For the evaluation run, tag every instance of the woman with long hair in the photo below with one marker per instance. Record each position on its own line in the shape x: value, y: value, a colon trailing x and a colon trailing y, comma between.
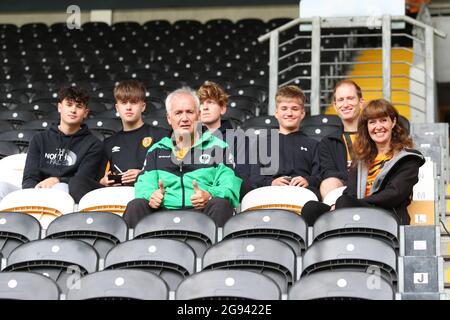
x: 386, y: 167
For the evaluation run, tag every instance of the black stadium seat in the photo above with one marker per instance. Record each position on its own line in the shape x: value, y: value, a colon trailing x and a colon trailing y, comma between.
x: 194, y: 228
x: 16, y: 229
x: 20, y: 138
x: 267, y: 256
x: 276, y: 224
x: 102, y: 230
x: 119, y: 284
x: 228, y: 285
x: 27, y: 286
x: 172, y: 260
x: 62, y: 260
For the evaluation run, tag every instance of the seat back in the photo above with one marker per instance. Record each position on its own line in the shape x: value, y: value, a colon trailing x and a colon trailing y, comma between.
x: 278, y: 197
x: 277, y: 224
x: 352, y: 253
x: 15, y: 229
x: 27, y: 286
x: 102, y: 230
x: 119, y: 284
x: 267, y: 256
x: 192, y: 227
x: 372, y: 222
x: 172, y: 260
x: 62, y: 260
x: 228, y: 284
x: 341, y: 285
x: 44, y: 204
x: 113, y: 200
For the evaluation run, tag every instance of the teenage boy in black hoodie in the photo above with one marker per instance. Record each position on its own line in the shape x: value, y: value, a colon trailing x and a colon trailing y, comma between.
x: 295, y: 161
x: 213, y: 105
x: 124, y: 152
x: 66, y: 150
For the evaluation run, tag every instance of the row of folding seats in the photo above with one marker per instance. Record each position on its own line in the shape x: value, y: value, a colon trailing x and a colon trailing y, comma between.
x: 269, y: 241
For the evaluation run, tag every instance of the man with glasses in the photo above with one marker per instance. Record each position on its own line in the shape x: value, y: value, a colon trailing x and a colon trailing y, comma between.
x: 335, y: 150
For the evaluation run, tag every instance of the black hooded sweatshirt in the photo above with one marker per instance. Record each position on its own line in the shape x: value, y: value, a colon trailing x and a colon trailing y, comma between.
x: 53, y: 154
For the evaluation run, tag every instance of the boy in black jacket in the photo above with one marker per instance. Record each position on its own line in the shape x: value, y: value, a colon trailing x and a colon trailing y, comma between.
x: 66, y: 150
x: 295, y: 161
x: 124, y: 152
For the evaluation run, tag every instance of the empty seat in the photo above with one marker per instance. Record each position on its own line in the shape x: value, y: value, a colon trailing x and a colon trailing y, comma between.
x: 372, y: 222
x: 44, y: 204
x: 341, y: 285
x: 17, y: 117
x: 227, y: 285
x: 27, y: 286
x: 119, y: 284
x: 37, y: 125
x: 283, y: 225
x: 192, y: 227
x: 16, y: 229
x: 106, y: 126
x: 172, y: 260
x: 267, y: 256
x: 351, y: 253
x: 322, y: 119
x: 276, y: 197
x: 157, y: 121
x: 39, y: 109
x: 113, y: 200
x: 102, y: 230
x: 261, y: 122
x: 62, y: 260
x: 318, y: 132
x: 21, y: 138
x: 7, y: 149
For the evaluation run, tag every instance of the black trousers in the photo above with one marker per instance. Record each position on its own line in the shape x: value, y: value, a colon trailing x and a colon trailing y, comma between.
x: 218, y: 209
x: 80, y: 185
x: 312, y: 210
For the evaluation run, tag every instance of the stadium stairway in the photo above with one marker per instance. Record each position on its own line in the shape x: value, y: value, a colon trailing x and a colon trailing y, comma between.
x: 368, y: 73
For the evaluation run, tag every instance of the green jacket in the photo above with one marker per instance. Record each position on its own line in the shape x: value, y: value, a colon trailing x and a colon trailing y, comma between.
x: 204, y: 163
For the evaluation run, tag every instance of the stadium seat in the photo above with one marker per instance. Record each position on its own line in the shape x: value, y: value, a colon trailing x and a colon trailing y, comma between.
x: 27, y: 286
x: 276, y: 224
x: 172, y: 260
x: 5, y: 126
x: 322, y: 120
x: 371, y: 222
x: 106, y: 126
x: 39, y: 109
x: 12, y: 168
x: 15, y: 229
x: 318, y: 132
x: 44, y: 204
x: 192, y: 227
x: 113, y: 200
x: 119, y: 285
x: 62, y: 260
x: 359, y: 253
x: 261, y: 122
x: 21, y: 138
x: 341, y: 285
x: 228, y: 285
x: 102, y: 230
x: 37, y: 125
x: 157, y: 121
x: 284, y: 197
x: 267, y: 256
x: 8, y: 149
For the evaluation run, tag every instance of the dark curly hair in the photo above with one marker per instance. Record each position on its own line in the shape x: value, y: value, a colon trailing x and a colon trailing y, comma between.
x: 77, y: 94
